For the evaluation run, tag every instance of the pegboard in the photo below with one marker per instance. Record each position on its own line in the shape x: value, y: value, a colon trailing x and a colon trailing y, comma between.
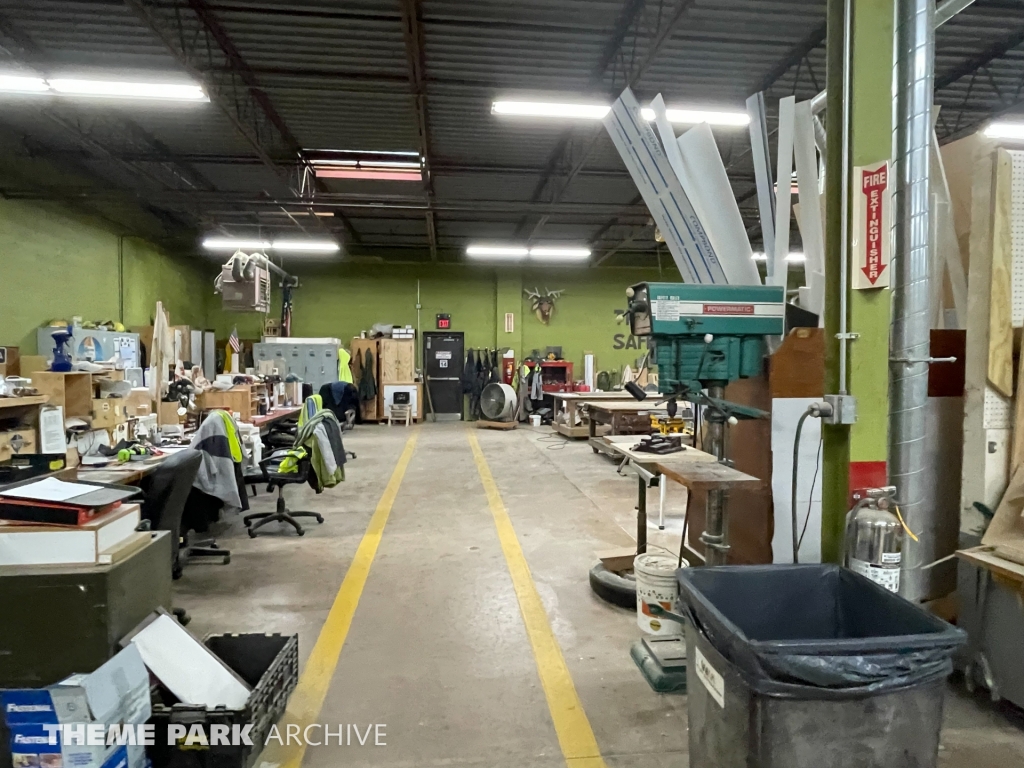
x: 998, y: 413
x: 1017, y: 236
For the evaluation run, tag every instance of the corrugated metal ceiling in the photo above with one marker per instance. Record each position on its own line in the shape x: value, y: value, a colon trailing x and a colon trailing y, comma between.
x: 338, y: 75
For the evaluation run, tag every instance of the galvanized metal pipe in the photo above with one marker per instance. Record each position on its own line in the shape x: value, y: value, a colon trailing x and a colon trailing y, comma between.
x: 943, y: 13
x: 911, y: 322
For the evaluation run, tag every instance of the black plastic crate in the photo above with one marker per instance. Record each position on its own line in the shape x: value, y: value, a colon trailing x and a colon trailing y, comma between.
x: 268, y: 663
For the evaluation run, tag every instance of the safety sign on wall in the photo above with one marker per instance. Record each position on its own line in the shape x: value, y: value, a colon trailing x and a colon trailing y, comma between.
x: 872, y: 226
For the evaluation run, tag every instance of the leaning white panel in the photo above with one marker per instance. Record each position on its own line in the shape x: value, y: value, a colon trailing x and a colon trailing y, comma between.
x: 661, y: 190
x: 715, y: 202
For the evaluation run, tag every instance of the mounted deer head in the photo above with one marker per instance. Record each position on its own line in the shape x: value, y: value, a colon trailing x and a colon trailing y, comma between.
x: 543, y: 304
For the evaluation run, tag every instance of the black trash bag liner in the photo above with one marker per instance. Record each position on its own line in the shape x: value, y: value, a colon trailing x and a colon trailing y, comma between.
x: 816, y: 631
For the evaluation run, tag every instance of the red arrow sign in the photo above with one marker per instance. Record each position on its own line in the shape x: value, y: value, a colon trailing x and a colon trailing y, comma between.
x: 873, y: 185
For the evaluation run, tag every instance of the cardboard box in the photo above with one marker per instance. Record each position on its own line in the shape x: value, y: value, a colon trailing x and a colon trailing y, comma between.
x: 71, y: 391
x: 10, y: 362
x: 31, y: 364
x: 236, y: 400
x: 18, y: 442
x: 167, y: 413
x: 109, y: 412
x: 139, y: 402
x: 115, y: 694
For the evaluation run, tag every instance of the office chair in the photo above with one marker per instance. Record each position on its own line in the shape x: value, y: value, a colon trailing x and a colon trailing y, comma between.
x: 165, y: 491
x: 347, y: 425
x: 279, y: 480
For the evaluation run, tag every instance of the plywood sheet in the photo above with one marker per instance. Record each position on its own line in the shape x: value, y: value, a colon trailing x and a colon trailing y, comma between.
x: 1000, y: 340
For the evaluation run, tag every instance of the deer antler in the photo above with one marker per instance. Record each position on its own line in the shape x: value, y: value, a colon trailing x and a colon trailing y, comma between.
x: 554, y: 294
x: 534, y: 294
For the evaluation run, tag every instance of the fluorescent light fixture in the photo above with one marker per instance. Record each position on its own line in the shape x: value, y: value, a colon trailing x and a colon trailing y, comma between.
x: 125, y: 90
x: 23, y: 84
x: 560, y: 254
x: 378, y: 166
x: 795, y: 256
x: 598, y: 111
x: 118, y: 89
x: 497, y: 252
x: 314, y: 246
x: 234, y: 244
x: 1005, y: 131
x: 694, y: 116
x: 550, y: 109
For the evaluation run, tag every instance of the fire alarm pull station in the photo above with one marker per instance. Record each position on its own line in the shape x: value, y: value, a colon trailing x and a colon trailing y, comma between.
x: 444, y: 322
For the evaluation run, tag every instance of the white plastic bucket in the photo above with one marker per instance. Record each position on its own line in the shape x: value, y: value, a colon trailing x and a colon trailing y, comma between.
x: 534, y: 419
x: 656, y: 583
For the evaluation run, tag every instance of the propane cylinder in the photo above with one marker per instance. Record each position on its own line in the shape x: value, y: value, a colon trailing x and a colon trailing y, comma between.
x: 874, y: 538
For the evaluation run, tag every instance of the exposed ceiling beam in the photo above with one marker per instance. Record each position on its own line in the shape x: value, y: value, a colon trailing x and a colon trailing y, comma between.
x: 412, y: 32
x: 562, y: 157
x: 204, y: 49
x: 794, y: 56
x: 973, y: 64
x: 120, y: 133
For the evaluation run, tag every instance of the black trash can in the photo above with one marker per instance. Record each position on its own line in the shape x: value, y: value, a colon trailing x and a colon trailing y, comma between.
x: 805, y: 666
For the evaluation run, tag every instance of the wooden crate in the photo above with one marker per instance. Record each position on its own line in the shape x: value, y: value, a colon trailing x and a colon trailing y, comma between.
x: 71, y: 391
x: 238, y: 399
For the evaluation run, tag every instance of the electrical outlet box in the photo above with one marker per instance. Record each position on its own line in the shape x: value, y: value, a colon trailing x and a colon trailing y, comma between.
x: 844, y: 409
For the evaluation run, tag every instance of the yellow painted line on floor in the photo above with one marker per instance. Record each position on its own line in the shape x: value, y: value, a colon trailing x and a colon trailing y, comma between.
x: 308, y: 698
x: 575, y: 736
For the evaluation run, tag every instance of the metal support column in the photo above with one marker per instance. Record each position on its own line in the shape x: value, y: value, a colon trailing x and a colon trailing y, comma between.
x: 716, y: 518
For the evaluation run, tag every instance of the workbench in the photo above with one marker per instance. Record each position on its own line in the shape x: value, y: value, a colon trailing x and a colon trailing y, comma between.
x: 991, y: 610
x: 649, y: 473
x: 266, y: 421
x: 573, y: 400
x: 617, y: 414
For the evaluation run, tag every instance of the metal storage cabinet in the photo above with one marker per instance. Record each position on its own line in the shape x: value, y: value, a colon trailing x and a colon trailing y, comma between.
x: 316, y: 363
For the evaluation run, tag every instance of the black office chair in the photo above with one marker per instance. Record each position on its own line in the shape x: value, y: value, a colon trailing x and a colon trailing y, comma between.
x: 279, y: 480
x: 165, y: 491
x: 347, y: 425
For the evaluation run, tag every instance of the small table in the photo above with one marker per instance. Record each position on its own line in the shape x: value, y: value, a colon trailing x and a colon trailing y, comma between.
x: 649, y: 473
x: 572, y: 400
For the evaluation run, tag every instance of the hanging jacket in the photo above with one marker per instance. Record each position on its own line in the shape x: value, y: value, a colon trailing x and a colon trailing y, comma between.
x: 344, y: 370
x: 469, y: 373
x: 320, y: 435
x: 219, y: 472
x: 367, y: 382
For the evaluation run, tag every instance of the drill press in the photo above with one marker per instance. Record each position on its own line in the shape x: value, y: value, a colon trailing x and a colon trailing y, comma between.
x: 705, y: 336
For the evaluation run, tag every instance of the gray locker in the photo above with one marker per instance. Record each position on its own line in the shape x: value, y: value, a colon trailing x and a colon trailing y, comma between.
x: 316, y: 363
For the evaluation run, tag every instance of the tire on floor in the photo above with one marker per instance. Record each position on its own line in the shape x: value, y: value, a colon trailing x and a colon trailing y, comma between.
x: 613, y: 588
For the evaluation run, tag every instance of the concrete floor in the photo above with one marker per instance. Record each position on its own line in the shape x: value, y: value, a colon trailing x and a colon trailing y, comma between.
x: 437, y: 648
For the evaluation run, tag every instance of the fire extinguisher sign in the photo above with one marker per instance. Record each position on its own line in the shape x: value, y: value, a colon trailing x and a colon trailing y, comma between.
x: 872, y: 226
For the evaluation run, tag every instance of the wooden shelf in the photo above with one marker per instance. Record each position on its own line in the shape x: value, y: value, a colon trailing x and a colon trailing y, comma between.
x: 21, y: 402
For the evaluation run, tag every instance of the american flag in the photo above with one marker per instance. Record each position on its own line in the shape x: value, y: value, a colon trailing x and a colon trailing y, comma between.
x: 233, y: 341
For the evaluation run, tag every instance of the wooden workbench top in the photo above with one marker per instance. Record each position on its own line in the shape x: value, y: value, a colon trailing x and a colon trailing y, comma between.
x: 705, y: 475
x: 592, y: 396
x: 628, y: 406
x: 623, y: 445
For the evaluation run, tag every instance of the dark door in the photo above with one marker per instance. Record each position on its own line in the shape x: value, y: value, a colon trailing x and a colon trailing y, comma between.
x: 443, y: 360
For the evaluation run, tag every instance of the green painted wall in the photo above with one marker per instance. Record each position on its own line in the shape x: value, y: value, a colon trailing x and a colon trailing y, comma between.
x: 343, y: 299
x: 55, y: 263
